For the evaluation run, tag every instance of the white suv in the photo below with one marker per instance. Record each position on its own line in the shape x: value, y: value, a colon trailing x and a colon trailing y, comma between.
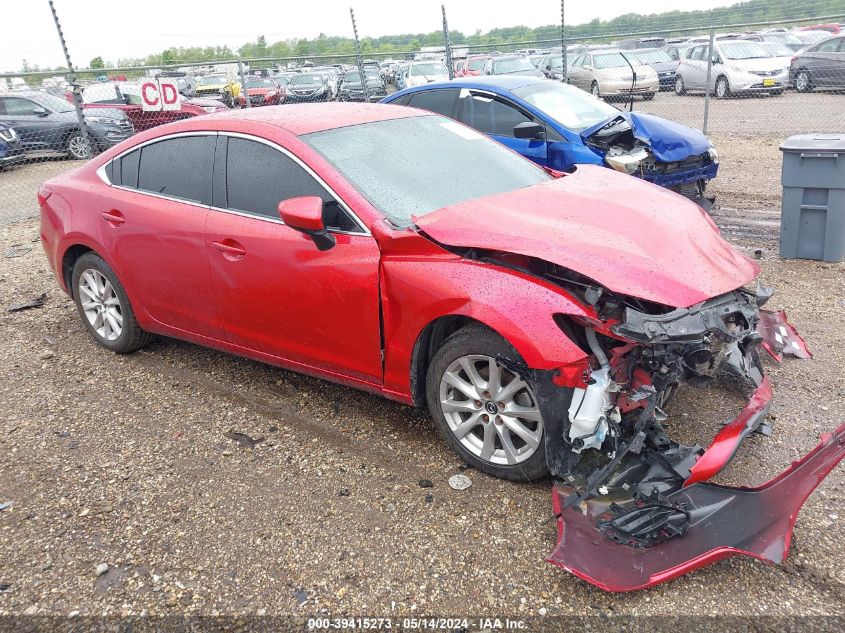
x: 738, y: 66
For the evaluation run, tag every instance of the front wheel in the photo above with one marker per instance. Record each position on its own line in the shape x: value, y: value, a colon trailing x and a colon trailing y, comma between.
x: 104, y: 307
x: 78, y: 146
x: 723, y: 88
x: 487, y: 412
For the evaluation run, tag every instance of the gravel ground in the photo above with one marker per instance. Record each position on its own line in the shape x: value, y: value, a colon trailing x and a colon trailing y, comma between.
x: 121, y: 461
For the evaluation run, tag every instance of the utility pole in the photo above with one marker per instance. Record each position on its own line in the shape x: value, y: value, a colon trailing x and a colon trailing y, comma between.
x: 446, y: 44
x: 77, y: 99
x: 358, y: 60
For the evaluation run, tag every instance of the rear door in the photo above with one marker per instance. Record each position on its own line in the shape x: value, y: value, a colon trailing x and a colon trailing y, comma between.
x: 695, y: 68
x: 496, y: 116
x: 827, y: 63
x: 152, y: 223
x: 277, y: 293
x: 443, y: 102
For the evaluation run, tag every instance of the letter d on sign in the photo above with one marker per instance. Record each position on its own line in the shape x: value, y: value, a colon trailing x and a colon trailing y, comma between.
x: 169, y: 95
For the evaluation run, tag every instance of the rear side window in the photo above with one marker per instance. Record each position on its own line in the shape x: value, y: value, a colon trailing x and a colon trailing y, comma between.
x: 177, y: 167
x: 439, y: 101
x: 259, y: 177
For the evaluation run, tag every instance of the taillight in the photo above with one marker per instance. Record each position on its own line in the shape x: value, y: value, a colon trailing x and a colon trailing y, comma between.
x: 792, y: 61
x: 43, y: 194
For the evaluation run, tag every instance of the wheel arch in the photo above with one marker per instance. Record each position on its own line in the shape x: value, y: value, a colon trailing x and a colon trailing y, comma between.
x: 69, y: 259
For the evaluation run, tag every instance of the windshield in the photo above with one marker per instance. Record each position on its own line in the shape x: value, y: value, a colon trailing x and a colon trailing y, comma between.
x: 652, y: 57
x: 477, y: 63
x: 743, y: 50
x: 212, y: 80
x: 54, y: 103
x: 610, y: 60
x: 406, y: 167
x: 512, y: 65
x: 571, y: 107
x: 302, y: 80
x: 429, y: 69
x: 776, y: 49
x: 257, y: 82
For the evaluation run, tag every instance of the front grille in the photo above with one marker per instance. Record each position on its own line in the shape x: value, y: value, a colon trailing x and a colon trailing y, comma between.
x: 766, y: 73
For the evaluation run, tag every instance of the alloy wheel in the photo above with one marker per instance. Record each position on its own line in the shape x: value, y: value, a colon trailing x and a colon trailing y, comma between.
x: 679, y: 85
x: 491, y: 410
x: 101, y: 304
x: 802, y: 81
x: 722, y: 88
x: 79, y: 147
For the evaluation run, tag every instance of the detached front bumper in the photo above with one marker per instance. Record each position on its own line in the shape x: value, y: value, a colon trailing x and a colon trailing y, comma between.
x: 719, y: 522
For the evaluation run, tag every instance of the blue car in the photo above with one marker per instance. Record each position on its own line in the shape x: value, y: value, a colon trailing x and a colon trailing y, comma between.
x: 559, y: 126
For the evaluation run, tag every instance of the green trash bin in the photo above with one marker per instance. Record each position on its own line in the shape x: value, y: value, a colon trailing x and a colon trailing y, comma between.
x: 812, y: 223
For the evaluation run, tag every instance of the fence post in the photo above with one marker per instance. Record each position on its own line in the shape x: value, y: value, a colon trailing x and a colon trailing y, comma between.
x: 77, y: 98
x: 243, y: 85
x: 707, y: 86
x: 565, y: 68
x: 358, y: 60
x: 446, y: 44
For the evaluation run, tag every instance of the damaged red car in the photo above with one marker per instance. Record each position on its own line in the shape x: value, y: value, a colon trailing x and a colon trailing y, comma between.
x: 544, y: 319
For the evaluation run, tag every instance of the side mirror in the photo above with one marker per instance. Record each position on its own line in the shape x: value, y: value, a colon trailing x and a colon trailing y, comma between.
x: 305, y: 214
x: 715, y: 60
x: 529, y: 130
x: 39, y: 111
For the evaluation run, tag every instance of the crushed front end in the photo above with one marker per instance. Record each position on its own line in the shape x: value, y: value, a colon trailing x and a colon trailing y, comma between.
x: 631, y: 503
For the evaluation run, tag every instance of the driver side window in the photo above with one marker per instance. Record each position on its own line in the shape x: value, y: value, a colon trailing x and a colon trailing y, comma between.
x: 490, y: 115
x: 258, y: 176
x: 15, y: 106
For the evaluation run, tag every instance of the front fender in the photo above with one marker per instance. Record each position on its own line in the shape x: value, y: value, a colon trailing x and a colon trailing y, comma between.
x: 516, y: 305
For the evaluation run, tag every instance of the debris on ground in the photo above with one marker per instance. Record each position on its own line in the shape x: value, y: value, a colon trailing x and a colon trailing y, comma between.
x: 343, y: 492
x: 460, y: 482
x: 5, y: 505
x: 38, y: 302
x: 301, y: 597
x: 17, y: 250
x: 5, y: 586
x: 243, y: 440
x: 426, y: 483
x: 102, y: 568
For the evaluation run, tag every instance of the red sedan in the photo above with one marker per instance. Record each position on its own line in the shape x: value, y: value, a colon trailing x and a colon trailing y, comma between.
x: 262, y: 92
x: 544, y: 319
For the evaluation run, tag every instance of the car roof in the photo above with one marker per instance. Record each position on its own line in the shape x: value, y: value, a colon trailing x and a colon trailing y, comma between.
x: 305, y: 118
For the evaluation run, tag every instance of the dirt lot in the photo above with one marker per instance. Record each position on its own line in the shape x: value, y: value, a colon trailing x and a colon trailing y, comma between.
x: 121, y: 460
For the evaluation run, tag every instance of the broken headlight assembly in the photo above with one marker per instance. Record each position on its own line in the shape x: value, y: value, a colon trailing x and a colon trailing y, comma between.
x: 627, y: 162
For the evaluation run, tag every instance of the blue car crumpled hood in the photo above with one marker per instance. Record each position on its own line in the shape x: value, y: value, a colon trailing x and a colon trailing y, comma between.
x: 668, y: 141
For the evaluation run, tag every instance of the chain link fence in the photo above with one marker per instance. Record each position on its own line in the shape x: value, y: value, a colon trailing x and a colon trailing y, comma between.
x: 747, y: 86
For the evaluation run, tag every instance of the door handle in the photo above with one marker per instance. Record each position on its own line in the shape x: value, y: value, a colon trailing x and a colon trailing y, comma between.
x: 114, y: 218
x: 230, y: 249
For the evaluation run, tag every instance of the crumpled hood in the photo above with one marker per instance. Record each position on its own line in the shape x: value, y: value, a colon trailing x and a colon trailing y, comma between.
x: 668, y: 141
x: 632, y: 237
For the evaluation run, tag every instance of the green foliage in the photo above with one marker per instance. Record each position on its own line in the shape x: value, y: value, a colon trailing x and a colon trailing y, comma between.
x: 97, y: 62
x: 667, y: 22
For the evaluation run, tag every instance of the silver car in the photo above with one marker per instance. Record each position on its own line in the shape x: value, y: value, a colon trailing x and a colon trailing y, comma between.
x: 608, y: 73
x: 738, y: 66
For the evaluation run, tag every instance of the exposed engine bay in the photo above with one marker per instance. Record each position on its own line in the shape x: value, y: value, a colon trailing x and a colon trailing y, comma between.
x: 617, y: 142
x: 625, y: 489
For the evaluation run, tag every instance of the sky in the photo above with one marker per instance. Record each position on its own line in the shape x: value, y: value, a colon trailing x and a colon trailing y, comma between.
x: 134, y: 28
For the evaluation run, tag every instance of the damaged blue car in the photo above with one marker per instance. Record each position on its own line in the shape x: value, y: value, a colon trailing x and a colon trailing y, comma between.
x: 559, y: 126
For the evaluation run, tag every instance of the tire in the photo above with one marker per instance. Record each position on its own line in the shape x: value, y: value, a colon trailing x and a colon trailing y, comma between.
x: 723, y: 88
x: 78, y: 146
x: 648, y: 96
x: 594, y: 90
x: 803, y: 83
x: 104, y: 305
x: 489, y: 445
x: 680, y: 88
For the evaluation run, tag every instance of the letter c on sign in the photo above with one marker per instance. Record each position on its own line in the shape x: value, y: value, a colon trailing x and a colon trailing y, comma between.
x: 146, y: 96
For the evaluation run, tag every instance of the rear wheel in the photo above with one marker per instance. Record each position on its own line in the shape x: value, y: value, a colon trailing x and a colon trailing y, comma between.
x: 802, y: 81
x: 594, y: 90
x: 485, y: 410
x: 680, y: 89
x: 723, y: 88
x: 104, y: 307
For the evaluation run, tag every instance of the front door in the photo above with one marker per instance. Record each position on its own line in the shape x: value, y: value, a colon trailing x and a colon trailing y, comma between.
x: 277, y: 293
